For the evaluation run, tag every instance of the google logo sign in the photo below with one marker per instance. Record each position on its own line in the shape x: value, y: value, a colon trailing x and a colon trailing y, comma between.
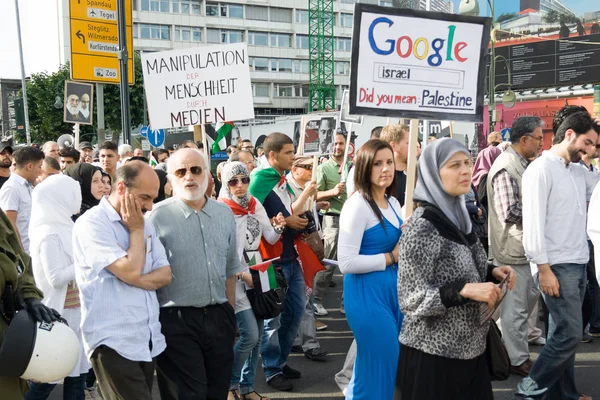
x: 404, y: 46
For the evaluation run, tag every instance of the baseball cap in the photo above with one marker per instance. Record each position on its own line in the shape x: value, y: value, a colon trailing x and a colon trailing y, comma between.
x: 4, y: 146
x: 301, y: 161
x: 85, y: 145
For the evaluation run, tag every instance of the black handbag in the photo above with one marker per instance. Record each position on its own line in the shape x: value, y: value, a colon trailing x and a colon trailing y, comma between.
x: 267, y: 304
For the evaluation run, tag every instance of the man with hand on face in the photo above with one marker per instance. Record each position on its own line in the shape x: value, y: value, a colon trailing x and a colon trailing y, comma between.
x: 6, y: 152
x: 555, y: 193
x: 119, y: 265
x: 196, y: 312
x: 87, y: 152
x: 268, y: 185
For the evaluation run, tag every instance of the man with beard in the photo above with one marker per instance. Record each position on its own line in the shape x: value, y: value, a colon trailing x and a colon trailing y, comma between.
x: 196, y: 313
x: 119, y: 264
x: 5, y: 162
x: 325, y: 129
x: 84, y: 107
x: 333, y: 190
x: 87, y: 152
x: 73, y: 112
x: 555, y: 191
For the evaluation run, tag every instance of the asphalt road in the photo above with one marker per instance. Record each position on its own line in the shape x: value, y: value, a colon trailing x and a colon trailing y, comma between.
x: 317, y: 377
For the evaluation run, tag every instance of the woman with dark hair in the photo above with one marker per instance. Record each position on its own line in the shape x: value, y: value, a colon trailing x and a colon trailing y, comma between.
x: 164, y: 189
x: 370, y: 227
x: 442, y: 281
x: 107, y: 182
x: 90, y: 180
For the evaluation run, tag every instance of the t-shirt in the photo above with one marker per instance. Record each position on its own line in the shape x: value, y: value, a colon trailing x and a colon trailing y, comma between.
x: 401, y: 179
x: 3, y: 179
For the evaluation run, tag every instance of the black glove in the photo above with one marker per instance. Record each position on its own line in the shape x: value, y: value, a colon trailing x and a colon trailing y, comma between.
x: 40, y: 312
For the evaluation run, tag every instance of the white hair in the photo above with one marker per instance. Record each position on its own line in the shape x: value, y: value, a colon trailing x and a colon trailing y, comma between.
x: 171, y: 160
x: 46, y: 146
x: 124, y: 149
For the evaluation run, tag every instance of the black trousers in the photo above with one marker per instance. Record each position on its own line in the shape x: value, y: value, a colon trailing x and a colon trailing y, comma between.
x: 120, y: 378
x: 197, y: 362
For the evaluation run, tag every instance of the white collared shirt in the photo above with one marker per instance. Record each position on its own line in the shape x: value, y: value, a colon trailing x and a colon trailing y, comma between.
x: 15, y: 195
x: 554, y: 211
x: 115, y: 314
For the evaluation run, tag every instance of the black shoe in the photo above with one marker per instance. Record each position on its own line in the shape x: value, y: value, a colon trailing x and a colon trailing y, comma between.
x: 280, y: 382
x: 297, y: 349
x: 290, y: 372
x: 317, y: 354
x: 332, y: 284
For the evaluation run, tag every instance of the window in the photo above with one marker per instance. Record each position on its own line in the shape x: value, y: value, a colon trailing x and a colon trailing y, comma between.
x: 157, y: 32
x: 185, y: 6
x: 223, y: 9
x: 342, y: 68
x: 281, y: 14
x: 235, y: 37
x: 343, y: 44
x: 262, y: 89
x: 257, y: 13
x: 136, y: 28
x: 188, y: 34
x: 236, y: 11
x: 145, y: 5
x: 273, y: 63
x: 301, y: 41
x: 302, y: 17
x: 213, y: 36
x: 212, y: 10
x: 285, y: 91
x: 301, y: 90
x: 175, y: 6
x: 281, y: 40
x: 134, y: 5
x: 165, y: 6
x: 261, y: 64
x: 223, y: 36
x: 348, y: 1
x: 346, y: 20
x: 285, y: 65
x: 258, y: 38
x: 385, y: 3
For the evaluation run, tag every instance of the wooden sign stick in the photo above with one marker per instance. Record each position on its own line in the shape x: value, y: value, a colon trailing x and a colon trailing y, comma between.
x: 300, y: 149
x: 411, y: 170
x: 451, y: 130
x: 344, y: 171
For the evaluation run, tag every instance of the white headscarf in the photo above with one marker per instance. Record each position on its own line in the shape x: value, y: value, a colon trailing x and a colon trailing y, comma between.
x: 54, y: 201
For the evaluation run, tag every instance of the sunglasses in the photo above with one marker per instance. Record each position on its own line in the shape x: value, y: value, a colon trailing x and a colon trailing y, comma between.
x: 181, y: 172
x: 234, y: 182
x: 306, y: 167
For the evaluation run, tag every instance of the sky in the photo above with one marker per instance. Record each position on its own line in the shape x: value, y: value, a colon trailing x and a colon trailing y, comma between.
x: 39, y: 27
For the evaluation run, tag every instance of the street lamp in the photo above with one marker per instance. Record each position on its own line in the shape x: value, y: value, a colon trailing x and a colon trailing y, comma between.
x: 58, y: 104
x: 471, y: 8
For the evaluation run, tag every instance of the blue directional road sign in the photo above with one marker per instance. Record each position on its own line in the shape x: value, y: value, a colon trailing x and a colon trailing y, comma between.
x: 156, y: 137
x: 505, y: 134
x: 144, y: 131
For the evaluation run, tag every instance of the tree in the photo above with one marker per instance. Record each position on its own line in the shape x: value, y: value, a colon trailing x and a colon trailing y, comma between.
x: 403, y: 3
x: 551, y: 17
x: 506, y: 16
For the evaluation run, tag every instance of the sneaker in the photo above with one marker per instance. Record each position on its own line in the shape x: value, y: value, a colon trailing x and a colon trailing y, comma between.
x: 321, y: 326
x: 538, y: 341
x: 319, y: 309
x: 342, y: 310
x: 280, y: 382
x: 585, y: 338
x: 92, y: 394
x: 317, y: 354
x: 594, y: 333
x: 332, y: 284
x: 290, y: 373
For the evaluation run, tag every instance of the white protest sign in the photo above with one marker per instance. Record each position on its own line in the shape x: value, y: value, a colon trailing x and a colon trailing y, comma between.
x: 416, y: 64
x: 200, y: 85
x: 345, y: 115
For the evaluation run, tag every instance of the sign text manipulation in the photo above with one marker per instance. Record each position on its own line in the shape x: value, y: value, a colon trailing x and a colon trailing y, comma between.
x: 196, y: 86
x: 417, y: 64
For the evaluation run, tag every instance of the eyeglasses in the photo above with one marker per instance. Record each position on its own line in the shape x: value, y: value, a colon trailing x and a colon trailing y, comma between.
x: 181, y: 172
x: 306, y: 167
x: 247, y: 148
x: 234, y: 182
x: 538, y: 138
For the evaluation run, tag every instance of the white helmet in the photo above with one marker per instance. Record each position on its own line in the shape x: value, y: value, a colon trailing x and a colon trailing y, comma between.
x: 38, y: 351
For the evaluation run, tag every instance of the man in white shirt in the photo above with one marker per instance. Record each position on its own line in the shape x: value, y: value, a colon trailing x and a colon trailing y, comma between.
x: 119, y: 265
x: 15, y: 195
x: 555, y: 191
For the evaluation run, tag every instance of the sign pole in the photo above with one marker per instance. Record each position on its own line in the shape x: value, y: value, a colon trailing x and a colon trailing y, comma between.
x: 123, y: 71
x: 300, y: 150
x: 76, y: 136
x: 198, y: 136
x: 411, y: 170
x: 204, y: 142
x: 100, y: 113
x: 23, y: 82
x: 451, y: 129
x: 348, y: 140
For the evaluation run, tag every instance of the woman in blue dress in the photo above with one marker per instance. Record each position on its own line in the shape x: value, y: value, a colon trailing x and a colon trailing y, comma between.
x: 370, y: 228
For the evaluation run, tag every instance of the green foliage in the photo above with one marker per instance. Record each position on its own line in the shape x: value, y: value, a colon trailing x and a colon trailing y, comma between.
x: 46, y: 121
x: 506, y: 16
x: 553, y: 17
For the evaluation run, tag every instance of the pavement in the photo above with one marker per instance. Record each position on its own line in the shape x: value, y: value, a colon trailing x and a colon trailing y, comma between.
x: 317, y: 381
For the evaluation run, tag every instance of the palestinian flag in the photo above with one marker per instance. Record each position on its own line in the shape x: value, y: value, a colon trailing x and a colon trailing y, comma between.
x: 266, y: 273
x: 153, y: 163
x: 223, y: 129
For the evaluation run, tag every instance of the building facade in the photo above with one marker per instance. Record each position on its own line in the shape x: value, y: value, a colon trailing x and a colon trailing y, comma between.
x: 9, y: 89
x: 546, y: 6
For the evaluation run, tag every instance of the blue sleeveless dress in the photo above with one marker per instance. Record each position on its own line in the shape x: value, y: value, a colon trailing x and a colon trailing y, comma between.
x: 373, y: 313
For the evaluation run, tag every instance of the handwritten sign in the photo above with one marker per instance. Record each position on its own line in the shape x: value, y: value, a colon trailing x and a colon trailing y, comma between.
x: 417, y: 64
x: 196, y: 86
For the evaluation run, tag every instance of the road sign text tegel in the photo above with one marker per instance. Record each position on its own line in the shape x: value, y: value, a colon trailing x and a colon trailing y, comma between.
x: 95, y: 40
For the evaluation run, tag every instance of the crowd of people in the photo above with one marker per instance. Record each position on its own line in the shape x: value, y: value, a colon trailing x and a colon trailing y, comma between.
x: 161, y: 266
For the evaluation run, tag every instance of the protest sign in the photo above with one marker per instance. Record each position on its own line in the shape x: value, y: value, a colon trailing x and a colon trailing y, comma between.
x: 345, y: 115
x: 318, y: 134
x: 197, y: 86
x: 415, y: 64
x: 79, y: 103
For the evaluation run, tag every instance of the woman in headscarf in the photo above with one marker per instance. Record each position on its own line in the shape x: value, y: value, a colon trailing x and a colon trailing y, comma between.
x: 443, y: 278
x: 370, y: 227
x: 90, y: 180
x: 54, y: 202
x: 107, y: 182
x: 252, y: 223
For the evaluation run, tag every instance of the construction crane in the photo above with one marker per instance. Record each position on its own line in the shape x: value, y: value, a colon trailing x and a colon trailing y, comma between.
x: 321, y: 88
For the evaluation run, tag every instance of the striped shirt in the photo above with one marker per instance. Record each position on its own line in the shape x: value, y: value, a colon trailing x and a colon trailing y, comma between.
x: 113, y: 313
x: 507, y: 196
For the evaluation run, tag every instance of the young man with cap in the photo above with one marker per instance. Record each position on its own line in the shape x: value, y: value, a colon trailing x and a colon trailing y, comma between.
x: 6, y: 152
x: 87, y: 152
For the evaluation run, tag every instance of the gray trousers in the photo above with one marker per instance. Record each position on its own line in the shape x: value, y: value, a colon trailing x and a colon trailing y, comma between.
x: 331, y: 228
x: 343, y: 377
x: 515, y: 310
x: 307, y: 333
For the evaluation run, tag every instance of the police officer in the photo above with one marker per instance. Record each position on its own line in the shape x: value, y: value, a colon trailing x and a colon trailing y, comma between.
x: 17, y: 291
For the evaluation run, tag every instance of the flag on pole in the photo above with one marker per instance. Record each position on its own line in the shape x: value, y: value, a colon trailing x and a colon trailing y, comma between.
x: 223, y: 129
x: 153, y: 163
x: 266, y: 272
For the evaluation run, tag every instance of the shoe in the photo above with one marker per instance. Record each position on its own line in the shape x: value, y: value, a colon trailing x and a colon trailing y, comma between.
x: 280, y: 382
x: 233, y: 395
x: 320, y: 326
x: 538, y: 341
x: 332, y: 284
x: 585, y: 338
x: 522, y: 369
x: 584, y: 397
x: 342, y: 310
x: 319, y: 309
x: 92, y: 394
x: 297, y: 349
x: 594, y: 333
x: 290, y: 373
x: 317, y: 354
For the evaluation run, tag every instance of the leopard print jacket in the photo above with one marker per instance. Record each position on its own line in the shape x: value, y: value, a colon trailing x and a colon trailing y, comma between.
x: 432, y: 259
